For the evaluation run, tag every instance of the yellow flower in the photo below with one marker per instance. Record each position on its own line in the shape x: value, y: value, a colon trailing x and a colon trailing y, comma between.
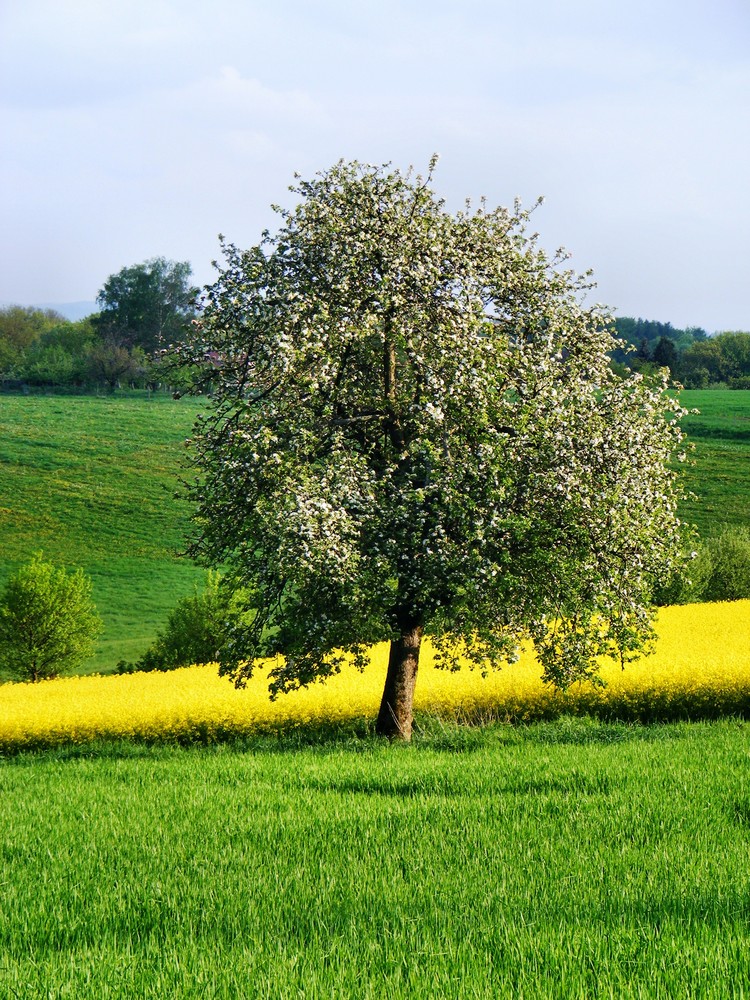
x: 701, y: 667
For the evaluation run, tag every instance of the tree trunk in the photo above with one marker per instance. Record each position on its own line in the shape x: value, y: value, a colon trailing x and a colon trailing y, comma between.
x: 395, y: 715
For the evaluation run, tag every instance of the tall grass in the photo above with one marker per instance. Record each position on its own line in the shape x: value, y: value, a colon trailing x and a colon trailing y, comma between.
x: 564, y: 860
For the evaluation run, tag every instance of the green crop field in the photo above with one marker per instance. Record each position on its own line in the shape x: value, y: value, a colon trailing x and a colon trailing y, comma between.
x: 569, y: 860
x: 90, y: 481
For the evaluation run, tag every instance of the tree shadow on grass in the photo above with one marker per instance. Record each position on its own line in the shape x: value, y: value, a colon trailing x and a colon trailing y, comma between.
x: 441, y: 785
x: 567, y: 730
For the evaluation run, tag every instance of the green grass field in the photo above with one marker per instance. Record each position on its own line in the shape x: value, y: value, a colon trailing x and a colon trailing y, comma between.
x: 720, y: 477
x: 563, y: 860
x: 90, y: 481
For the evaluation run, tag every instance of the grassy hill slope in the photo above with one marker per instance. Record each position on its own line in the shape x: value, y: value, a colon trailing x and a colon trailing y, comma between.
x: 720, y: 477
x: 90, y: 481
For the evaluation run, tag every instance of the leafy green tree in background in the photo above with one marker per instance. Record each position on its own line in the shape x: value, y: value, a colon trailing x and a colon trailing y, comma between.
x: 113, y: 364
x: 734, y: 346
x: 70, y: 354
x: 726, y: 576
x: 719, y: 570
x: 722, y: 360
x: 147, y: 305
x: 48, y: 623
x: 60, y: 356
x: 415, y: 429
x: 10, y: 357
x: 635, y: 331
x: 21, y: 328
x: 702, y: 365
x: 693, y: 358
x: 75, y: 337
x: 48, y: 366
x: 22, y: 325
x: 647, y: 343
x: 665, y: 355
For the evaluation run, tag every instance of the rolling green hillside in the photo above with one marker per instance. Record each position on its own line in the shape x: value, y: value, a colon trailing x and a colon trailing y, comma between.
x: 720, y: 475
x: 90, y: 481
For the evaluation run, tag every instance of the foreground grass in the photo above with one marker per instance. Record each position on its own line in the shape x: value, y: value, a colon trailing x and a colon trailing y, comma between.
x: 572, y: 859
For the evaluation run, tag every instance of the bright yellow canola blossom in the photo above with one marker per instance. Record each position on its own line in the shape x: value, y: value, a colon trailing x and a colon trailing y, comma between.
x: 701, y: 669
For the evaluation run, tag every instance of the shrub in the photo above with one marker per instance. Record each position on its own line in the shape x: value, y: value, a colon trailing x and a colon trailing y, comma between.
x: 728, y: 555
x: 720, y: 571
x: 48, y: 623
x: 687, y: 585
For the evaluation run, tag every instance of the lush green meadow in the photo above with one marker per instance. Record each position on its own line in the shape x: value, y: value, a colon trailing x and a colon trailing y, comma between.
x: 563, y: 860
x: 720, y: 477
x: 90, y: 481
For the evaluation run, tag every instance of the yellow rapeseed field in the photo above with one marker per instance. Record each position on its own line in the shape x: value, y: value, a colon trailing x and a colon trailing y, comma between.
x: 701, y: 669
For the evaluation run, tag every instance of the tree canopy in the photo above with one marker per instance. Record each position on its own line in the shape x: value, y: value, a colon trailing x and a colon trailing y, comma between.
x: 694, y: 358
x: 721, y: 360
x: 48, y: 623
x: 415, y: 429
x: 635, y: 331
x: 147, y: 305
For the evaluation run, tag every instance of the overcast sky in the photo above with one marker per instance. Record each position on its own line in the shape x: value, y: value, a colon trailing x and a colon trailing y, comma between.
x: 145, y: 128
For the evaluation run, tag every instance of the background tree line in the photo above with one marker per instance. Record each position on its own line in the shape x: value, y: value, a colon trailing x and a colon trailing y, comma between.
x: 146, y: 307
x: 143, y: 309
x: 694, y: 358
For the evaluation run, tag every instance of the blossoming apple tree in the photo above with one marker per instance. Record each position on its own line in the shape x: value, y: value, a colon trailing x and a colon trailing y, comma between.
x: 414, y: 430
